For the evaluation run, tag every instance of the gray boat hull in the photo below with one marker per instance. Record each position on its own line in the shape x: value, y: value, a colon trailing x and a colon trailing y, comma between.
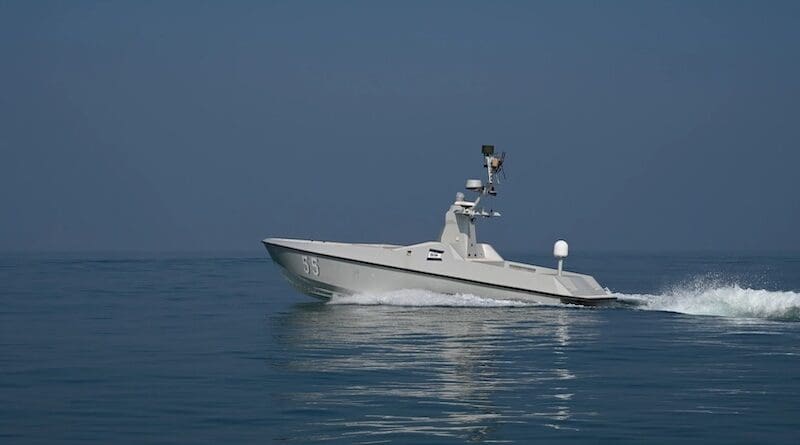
x: 325, y: 269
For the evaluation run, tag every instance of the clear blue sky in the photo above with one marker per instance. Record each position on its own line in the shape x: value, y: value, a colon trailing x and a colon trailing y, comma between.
x: 203, y: 126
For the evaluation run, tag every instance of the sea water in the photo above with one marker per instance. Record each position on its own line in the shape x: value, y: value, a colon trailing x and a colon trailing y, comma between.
x: 177, y: 348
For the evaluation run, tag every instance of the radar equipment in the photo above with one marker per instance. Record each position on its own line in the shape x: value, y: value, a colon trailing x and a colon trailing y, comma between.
x: 560, y: 251
x: 460, y: 231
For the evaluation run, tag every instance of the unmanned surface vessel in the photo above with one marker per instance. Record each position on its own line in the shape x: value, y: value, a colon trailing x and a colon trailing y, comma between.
x: 455, y: 264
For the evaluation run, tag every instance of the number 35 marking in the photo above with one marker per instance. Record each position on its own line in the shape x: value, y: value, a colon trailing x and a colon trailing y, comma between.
x: 310, y: 265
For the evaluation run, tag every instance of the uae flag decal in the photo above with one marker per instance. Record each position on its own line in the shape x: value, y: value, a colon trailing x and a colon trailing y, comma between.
x: 435, y: 255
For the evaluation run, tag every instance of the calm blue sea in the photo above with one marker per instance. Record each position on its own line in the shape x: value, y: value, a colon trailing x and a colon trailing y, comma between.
x: 131, y: 349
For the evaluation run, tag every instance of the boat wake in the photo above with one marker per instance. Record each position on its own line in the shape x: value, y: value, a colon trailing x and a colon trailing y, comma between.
x: 700, y: 297
x: 727, y: 300
x: 418, y: 297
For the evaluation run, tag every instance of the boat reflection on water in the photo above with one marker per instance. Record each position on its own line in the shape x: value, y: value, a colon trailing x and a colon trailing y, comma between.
x: 389, y: 372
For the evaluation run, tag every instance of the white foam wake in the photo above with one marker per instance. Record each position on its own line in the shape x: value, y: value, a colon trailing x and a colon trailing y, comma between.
x: 700, y: 297
x: 726, y: 301
x: 418, y: 297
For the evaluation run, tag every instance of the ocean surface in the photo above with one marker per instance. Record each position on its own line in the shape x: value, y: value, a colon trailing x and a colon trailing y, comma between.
x: 181, y: 348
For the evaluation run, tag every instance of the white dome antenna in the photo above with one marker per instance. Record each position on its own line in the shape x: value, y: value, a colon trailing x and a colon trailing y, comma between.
x: 476, y: 185
x: 560, y: 251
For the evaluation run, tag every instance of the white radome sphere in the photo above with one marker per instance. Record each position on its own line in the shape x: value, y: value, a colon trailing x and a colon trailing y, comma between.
x: 560, y: 249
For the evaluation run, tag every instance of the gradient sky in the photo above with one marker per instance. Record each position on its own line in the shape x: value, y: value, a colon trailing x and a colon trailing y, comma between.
x: 203, y: 126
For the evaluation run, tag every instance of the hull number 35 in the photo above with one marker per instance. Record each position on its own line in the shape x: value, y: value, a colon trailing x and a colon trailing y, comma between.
x: 310, y: 265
